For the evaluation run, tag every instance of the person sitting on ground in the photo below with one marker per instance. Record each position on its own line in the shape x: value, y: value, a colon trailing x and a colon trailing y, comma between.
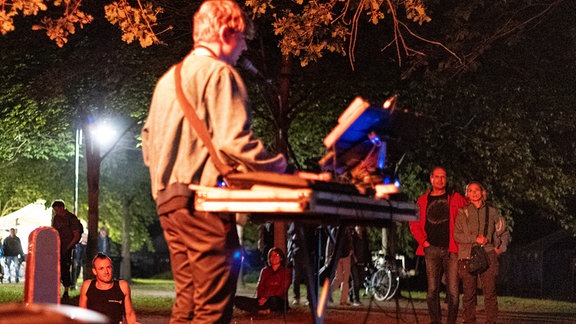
x: 106, y: 295
x: 272, y: 289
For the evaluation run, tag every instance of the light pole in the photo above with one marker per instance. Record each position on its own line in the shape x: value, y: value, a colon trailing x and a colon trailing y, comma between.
x: 98, y: 136
x: 76, y: 167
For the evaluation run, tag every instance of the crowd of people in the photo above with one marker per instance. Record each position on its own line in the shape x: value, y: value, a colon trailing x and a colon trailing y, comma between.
x: 450, y: 224
x: 204, y: 246
x: 198, y: 130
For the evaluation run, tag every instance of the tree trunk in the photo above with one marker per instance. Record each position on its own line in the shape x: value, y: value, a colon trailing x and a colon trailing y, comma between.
x: 281, y: 136
x: 125, y: 267
x: 93, y: 177
x: 390, y: 240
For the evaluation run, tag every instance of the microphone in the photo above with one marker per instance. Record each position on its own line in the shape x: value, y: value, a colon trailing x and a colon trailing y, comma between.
x: 247, y: 65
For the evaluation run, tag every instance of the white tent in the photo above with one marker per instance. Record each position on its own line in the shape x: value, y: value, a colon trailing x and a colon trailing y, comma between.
x: 27, y: 219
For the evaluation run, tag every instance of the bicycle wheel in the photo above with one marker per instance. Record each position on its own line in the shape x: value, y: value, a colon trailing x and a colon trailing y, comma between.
x: 395, y: 283
x: 381, y: 284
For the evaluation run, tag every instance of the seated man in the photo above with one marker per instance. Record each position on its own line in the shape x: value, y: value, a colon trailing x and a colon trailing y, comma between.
x: 272, y: 289
x: 106, y: 295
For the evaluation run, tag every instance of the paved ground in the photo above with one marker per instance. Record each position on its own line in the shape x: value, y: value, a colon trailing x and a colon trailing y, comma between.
x: 378, y: 315
x: 371, y: 312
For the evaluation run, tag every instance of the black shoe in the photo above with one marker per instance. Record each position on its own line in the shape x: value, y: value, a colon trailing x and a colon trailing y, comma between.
x: 65, y: 296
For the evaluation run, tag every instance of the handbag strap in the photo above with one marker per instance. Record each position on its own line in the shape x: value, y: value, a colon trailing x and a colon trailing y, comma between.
x: 486, y: 221
x: 197, y: 124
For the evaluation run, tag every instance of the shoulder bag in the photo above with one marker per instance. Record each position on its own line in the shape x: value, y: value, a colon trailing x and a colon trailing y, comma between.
x: 479, y: 261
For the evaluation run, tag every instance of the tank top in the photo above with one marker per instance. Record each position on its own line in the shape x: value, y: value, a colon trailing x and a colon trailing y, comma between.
x: 108, y: 302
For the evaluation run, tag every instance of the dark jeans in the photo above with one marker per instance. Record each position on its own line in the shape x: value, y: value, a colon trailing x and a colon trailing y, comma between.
x: 299, y: 275
x: 358, y: 273
x: 65, y: 263
x: 438, y: 262
x: 205, y: 261
x: 469, y: 286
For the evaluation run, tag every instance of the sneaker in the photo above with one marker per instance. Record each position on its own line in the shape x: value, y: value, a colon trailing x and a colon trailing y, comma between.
x: 296, y: 301
x: 356, y: 304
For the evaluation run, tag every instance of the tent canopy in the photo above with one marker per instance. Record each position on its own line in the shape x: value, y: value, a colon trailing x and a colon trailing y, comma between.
x: 27, y: 219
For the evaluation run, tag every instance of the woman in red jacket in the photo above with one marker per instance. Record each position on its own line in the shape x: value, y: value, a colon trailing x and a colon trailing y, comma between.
x: 272, y: 289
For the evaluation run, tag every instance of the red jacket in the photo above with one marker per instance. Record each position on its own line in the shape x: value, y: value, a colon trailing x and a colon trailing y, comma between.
x: 455, y: 201
x: 274, y: 283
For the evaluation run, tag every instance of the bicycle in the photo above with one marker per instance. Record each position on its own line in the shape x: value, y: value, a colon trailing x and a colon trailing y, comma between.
x: 383, y: 276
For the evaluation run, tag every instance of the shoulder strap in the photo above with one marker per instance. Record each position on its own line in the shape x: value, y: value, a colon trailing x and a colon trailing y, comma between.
x: 197, y: 124
x: 486, y: 221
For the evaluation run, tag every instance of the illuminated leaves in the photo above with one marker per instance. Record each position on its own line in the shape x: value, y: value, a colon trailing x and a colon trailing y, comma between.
x: 416, y: 11
x: 311, y: 32
x: 259, y: 7
x: 6, y: 22
x: 29, y: 7
x: 308, y: 29
x: 135, y: 23
x: 59, y: 29
x: 8, y: 10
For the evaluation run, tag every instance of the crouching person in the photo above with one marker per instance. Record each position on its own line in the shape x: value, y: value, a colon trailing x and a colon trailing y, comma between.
x: 107, y: 295
x: 272, y: 289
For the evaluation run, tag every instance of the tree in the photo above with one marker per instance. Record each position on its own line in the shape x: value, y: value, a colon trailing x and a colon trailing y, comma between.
x: 472, y: 112
x: 89, y: 81
x: 128, y: 203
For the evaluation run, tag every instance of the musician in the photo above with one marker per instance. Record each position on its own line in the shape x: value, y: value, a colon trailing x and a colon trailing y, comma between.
x: 202, y: 245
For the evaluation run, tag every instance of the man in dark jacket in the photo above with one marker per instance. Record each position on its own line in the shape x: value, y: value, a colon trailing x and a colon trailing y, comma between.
x: 69, y: 229
x: 13, y: 255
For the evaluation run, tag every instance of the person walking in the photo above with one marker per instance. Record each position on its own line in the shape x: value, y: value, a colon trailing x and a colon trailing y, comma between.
x: 471, y: 223
x: 13, y: 256
x: 203, y: 245
x: 69, y: 230
x: 341, y: 278
x: 434, y: 232
x: 361, y: 258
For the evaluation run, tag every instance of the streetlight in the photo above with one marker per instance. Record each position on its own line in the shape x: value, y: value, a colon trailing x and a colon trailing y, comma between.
x: 93, y: 160
x: 76, y: 167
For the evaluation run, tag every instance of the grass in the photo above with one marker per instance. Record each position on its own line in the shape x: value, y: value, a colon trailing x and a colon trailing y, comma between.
x: 154, y: 296
x: 515, y: 304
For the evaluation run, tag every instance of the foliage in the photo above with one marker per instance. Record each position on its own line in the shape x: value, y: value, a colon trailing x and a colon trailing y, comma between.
x: 47, y: 90
x: 126, y: 179
x: 502, y: 115
x: 23, y: 181
x: 309, y: 29
x: 135, y: 22
x: 31, y: 129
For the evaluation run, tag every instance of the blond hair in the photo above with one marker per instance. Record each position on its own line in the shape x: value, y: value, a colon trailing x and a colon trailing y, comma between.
x: 214, y: 14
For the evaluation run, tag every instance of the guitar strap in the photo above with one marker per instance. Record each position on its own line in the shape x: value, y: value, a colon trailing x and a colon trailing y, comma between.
x: 197, y: 124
